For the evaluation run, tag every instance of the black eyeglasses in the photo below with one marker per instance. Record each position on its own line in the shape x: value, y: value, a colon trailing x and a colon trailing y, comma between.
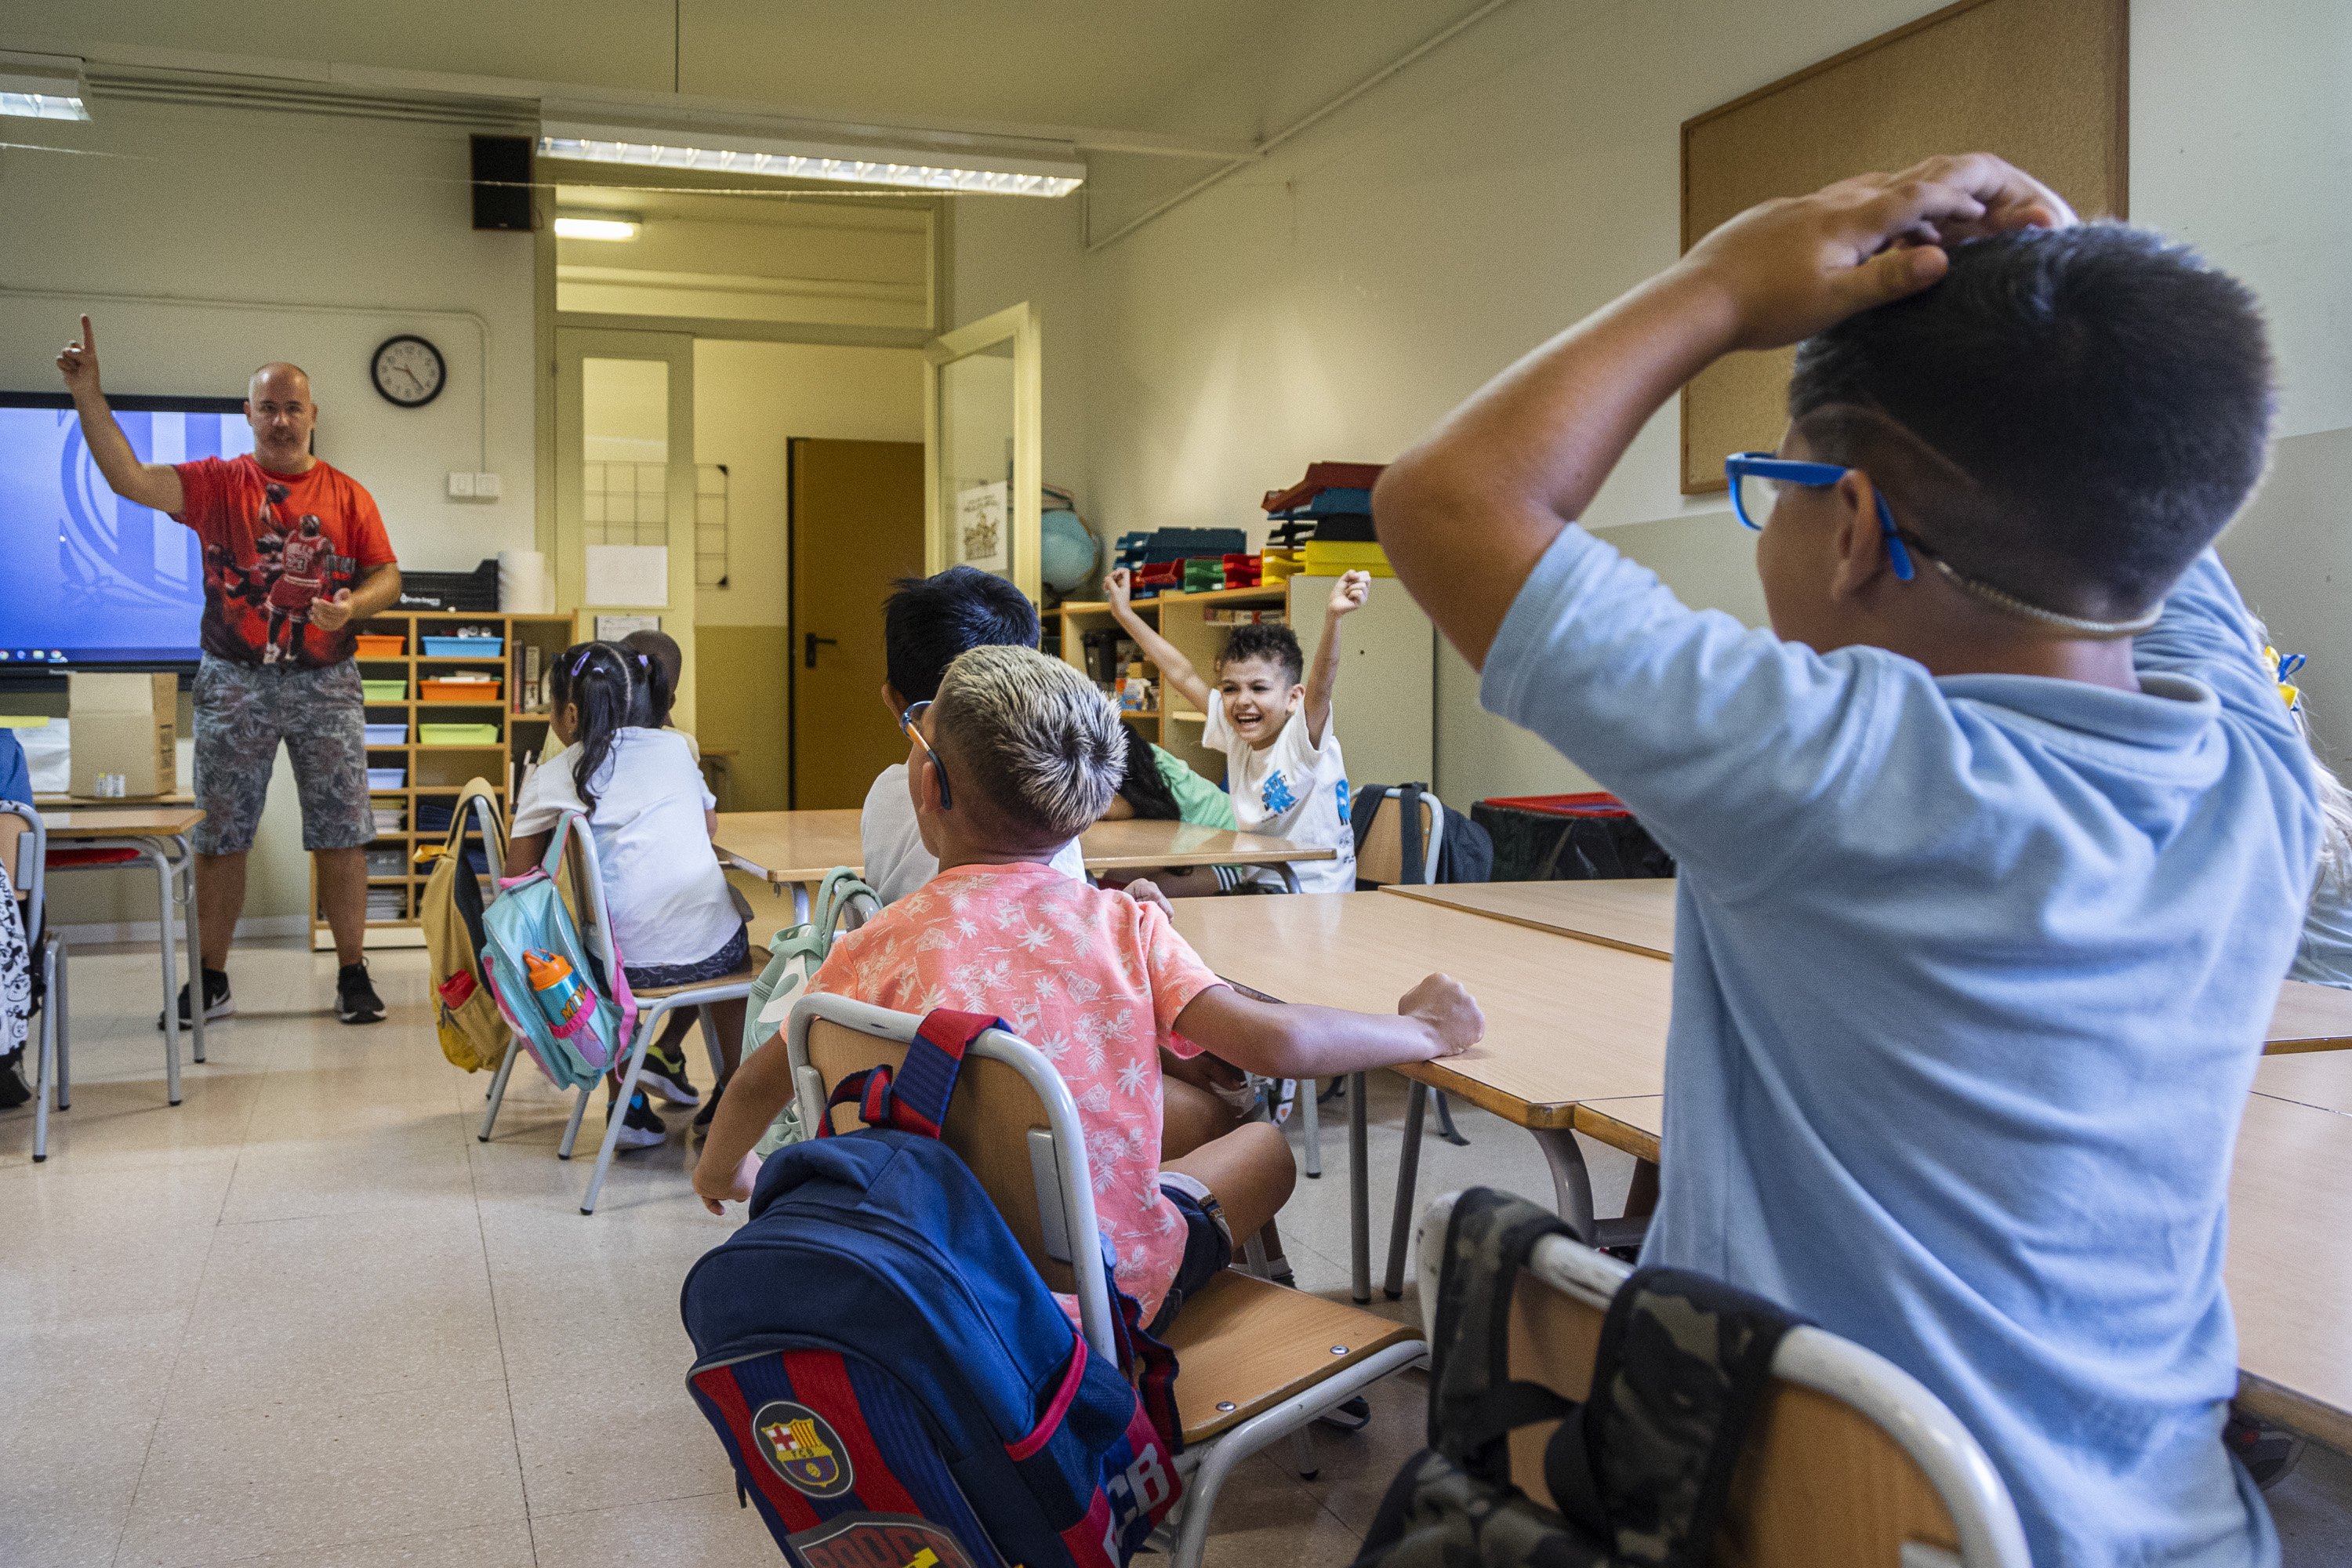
x: 907, y: 723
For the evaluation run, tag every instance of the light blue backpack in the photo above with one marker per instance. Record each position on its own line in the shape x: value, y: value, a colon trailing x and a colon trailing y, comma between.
x: 529, y: 916
x: 794, y: 955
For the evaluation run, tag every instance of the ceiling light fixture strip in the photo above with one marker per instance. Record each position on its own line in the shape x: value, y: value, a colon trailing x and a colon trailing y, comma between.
x: 792, y: 165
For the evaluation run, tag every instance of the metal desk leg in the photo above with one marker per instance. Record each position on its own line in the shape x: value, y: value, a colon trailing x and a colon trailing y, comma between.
x: 800, y: 903
x: 1313, y: 1125
x: 1416, y: 1109
x: 1289, y: 878
x: 1360, y: 1193
x: 1571, y: 1185
x: 187, y: 855
x: 167, y: 944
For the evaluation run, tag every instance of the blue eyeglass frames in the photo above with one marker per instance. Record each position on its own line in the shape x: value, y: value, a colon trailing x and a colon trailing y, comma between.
x: 907, y: 723
x: 1742, y: 466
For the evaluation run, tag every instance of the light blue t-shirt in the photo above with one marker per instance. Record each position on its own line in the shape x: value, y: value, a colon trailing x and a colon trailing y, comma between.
x: 1971, y: 975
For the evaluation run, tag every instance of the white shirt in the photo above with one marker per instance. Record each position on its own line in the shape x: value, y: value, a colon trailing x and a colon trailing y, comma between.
x: 662, y: 879
x: 896, y: 861
x: 1290, y: 790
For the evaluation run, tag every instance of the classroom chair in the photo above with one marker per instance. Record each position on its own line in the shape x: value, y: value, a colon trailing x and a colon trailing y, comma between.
x: 594, y: 918
x: 28, y: 873
x: 1851, y: 1461
x: 1260, y: 1362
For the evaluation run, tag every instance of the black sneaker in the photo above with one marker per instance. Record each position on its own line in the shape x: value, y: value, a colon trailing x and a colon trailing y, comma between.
x: 2268, y: 1452
x: 665, y: 1073
x: 15, y: 1090
x: 709, y: 1108
x: 355, y: 1000
x: 640, y: 1128
x: 218, y: 1004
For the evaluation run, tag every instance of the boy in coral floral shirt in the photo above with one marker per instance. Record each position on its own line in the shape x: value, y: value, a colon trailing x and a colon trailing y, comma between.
x: 1018, y: 754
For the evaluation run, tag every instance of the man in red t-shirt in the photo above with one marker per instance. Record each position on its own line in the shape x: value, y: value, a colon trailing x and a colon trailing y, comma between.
x: 294, y: 552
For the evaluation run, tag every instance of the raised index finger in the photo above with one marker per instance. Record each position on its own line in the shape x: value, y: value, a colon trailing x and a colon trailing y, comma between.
x: 88, y: 337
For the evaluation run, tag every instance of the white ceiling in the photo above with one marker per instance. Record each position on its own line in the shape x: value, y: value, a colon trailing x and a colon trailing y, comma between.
x: 1228, y: 69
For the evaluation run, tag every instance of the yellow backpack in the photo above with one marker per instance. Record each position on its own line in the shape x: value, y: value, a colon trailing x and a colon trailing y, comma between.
x: 473, y: 1035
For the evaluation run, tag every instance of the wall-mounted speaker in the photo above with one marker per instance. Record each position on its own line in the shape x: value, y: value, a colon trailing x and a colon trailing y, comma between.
x: 502, y: 182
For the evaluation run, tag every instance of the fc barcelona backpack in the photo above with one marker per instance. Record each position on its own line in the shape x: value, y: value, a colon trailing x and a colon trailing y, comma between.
x: 894, y: 1381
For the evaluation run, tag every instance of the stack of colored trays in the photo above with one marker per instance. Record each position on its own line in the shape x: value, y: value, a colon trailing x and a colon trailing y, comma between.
x: 1203, y: 573
x: 1329, y: 558
x: 1244, y: 572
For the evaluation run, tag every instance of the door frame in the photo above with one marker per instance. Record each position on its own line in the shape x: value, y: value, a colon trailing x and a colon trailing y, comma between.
x: 1018, y: 325
x: 573, y: 345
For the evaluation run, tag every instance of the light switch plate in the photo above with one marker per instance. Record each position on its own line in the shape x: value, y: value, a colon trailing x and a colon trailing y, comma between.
x: 461, y: 486
x: 486, y: 487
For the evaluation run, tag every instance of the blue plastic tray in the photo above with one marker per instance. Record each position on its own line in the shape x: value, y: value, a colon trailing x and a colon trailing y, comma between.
x: 464, y: 647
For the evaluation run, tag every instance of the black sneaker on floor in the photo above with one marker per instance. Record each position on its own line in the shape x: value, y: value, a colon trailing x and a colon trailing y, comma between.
x: 640, y: 1128
x: 15, y: 1090
x: 709, y: 1108
x: 355, y: 999
x: 665, y: 1073
x: 2268, y: 1452
x: 218, y: 1004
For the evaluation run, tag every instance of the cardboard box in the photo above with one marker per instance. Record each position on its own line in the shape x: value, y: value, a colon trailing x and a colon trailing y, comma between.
x: 127, y: 724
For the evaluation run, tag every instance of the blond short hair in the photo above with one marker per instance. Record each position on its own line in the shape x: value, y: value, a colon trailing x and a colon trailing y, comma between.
x: 1033, y: 737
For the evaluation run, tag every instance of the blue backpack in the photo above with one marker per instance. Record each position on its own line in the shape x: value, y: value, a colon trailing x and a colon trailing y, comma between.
x: 891, y: 1376
x: 529, y: 916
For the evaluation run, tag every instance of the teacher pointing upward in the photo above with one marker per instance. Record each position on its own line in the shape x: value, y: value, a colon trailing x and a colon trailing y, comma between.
x: 294, y: 552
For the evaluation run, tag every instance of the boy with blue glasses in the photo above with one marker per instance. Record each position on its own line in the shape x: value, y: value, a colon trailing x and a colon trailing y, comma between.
x: 1993, y: 848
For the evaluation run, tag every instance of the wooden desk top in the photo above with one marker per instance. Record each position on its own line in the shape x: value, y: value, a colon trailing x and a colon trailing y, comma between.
x: 120, y: 822
x: 1137, y: 845
x: 114, y: 802
x: 1636, y: 914
x: 1566, y: 1021
x: 2310, y: 1018
x: 2290, y: 1274
x: 802, y: 846
x: 1633, y: 1124
x: 2322, y: 1079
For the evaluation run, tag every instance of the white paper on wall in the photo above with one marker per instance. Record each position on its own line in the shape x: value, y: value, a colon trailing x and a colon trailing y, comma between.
x: 628, y: 574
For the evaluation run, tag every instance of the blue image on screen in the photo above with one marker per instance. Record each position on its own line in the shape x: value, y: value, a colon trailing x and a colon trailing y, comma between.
x: 96, y: 579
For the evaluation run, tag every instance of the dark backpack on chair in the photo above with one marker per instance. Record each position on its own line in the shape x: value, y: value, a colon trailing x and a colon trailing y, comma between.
x: 1466, y: 851
x: 1641, y: 1470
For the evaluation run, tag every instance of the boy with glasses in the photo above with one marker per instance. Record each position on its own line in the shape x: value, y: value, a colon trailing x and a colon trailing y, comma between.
x: 1993, y: 847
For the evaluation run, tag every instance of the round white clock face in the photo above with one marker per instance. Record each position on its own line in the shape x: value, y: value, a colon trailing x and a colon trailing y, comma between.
x: 409, y: 371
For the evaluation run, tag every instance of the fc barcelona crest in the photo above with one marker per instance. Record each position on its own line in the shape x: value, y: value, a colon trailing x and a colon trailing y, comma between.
x: 801, y: 1448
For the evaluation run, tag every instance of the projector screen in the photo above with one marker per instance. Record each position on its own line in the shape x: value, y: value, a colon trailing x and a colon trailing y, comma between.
x: 92, y: 579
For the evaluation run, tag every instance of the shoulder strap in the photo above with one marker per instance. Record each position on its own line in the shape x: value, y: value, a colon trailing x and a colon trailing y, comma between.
x: 1414, y: 869
x: 1473, y: 1403
x: 1683, y: 1364
x: 915, y: 1098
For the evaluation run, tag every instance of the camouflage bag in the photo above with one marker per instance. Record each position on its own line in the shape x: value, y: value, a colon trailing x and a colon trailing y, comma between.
x: 1640, y: 1470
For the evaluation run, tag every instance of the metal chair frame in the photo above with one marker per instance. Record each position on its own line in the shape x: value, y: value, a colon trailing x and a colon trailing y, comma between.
x: 48, y: 1055
x: 1208, y: 1463
x: 590, y: 886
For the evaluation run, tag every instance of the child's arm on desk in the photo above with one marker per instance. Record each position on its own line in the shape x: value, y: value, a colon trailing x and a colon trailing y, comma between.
x: 758, y: 1089
x: 1347, y: 595
x: 1282, y: 1039
x: 1174, y: 668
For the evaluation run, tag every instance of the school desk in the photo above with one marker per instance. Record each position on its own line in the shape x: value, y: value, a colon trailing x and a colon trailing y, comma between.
x: 1566, y: 1021
x: 1638, y: 915
x: 157, y: 834
x: 796, y: 848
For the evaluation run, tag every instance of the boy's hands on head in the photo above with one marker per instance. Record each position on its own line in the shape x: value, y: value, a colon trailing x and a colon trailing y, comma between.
x: 1349, y: 592
x: 1791, y: 267
x: 1450, y: 1013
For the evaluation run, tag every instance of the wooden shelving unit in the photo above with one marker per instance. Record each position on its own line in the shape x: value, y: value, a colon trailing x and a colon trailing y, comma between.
x: 1180, y: 618
x: 435, y: 772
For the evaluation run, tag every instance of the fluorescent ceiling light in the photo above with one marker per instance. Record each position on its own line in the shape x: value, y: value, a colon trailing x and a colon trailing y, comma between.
x: 976, y: 173
x: 569, y: 227
x: 42, y: 87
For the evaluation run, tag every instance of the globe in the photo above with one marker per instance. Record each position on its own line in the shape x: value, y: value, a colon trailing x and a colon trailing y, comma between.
x: 1067, y: 551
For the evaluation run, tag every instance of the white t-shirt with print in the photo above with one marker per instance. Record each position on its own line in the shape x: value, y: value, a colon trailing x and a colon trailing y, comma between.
x: 1290, y: 790
x: 662, y: 879
x: 896, y: 861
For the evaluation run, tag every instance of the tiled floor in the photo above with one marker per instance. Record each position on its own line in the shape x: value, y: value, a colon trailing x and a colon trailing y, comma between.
x: 305, y: 1319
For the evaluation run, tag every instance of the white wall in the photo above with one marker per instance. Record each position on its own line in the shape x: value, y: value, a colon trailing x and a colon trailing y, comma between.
x: 1009, y: 250
x: 334, y: 233
x: 1337, y: 301
x: 750, y: 399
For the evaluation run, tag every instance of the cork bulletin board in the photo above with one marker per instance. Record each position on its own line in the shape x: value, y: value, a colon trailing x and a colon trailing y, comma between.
x: 2040, y: 82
